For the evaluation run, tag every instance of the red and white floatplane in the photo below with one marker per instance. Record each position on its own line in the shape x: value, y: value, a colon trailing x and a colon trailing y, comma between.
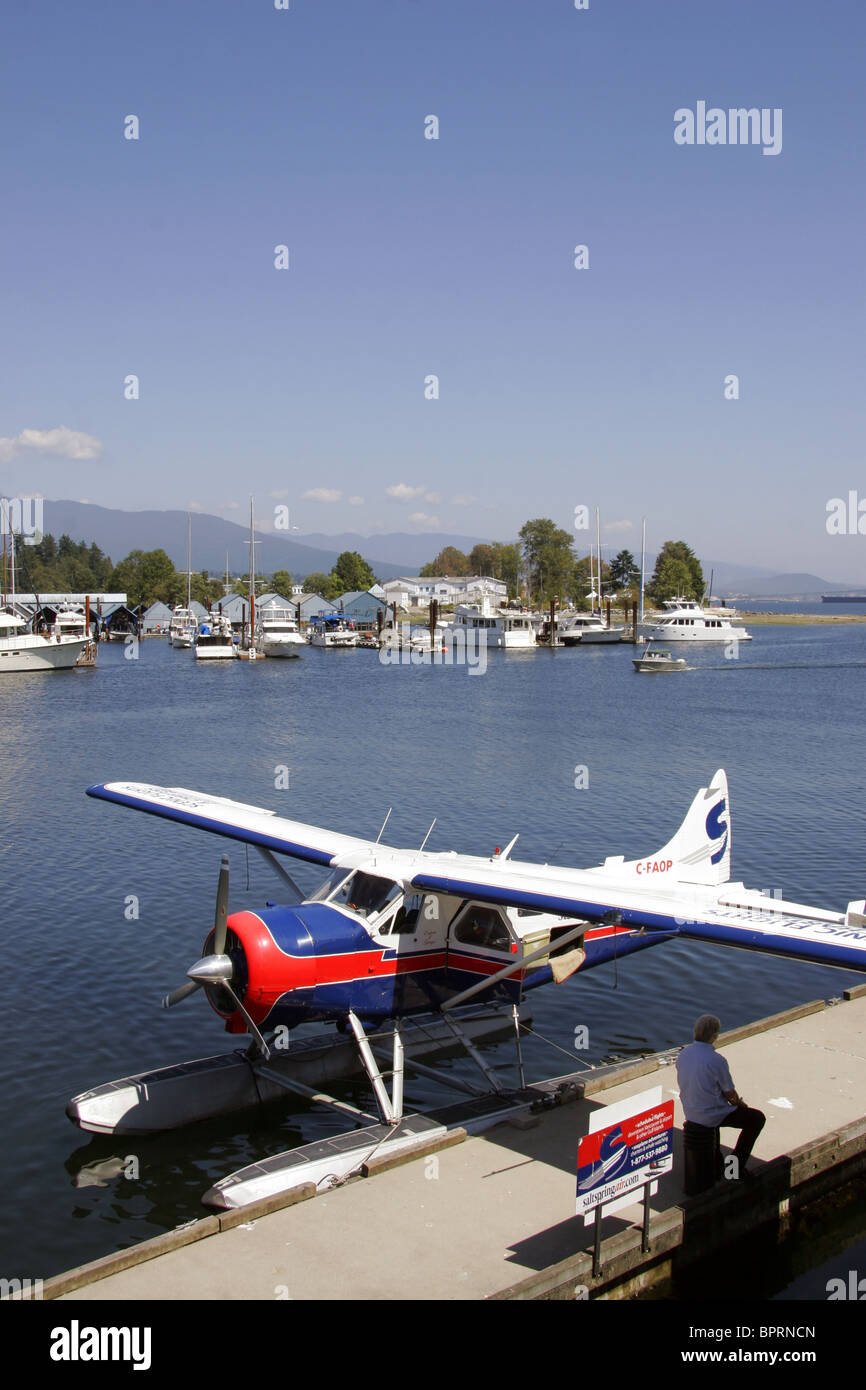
x: 410, y: 952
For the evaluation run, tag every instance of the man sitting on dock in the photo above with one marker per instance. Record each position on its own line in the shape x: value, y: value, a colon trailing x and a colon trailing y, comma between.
x: 708, y: 1096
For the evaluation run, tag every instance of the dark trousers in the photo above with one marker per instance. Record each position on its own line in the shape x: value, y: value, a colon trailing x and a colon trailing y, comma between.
x: 750, y: 1123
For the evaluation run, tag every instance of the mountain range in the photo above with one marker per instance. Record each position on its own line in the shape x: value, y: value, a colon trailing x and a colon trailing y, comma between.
x: 217, y: 543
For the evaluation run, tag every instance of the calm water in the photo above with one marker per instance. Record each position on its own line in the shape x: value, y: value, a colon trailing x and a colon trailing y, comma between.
x: 488, y: 755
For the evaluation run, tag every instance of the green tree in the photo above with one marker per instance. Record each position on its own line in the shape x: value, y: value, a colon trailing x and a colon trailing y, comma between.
x: 321, y: 584
x: 352, y: 572
x: 677, y: 573
x: 449, y: 561
x: 147, y: 575
x: 281, y: 583
x: 506, y: 566
x: 548, y: 558
x: 624, y: 573
x: 482, y: 559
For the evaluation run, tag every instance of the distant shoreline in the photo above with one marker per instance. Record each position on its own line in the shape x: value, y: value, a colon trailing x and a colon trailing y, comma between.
x: 759, y: 616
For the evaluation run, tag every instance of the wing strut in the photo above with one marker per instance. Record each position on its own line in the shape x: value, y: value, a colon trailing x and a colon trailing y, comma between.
x: 514, y: 967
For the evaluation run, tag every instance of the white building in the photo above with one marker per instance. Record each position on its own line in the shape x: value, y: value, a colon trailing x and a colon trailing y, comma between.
x: 415, y: 592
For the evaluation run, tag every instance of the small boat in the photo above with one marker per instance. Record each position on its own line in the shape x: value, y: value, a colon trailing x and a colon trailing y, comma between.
x: 413, y: 637
x: 586, y: 628
x: 213, y: 640
x: 332, y: 630
x: 182, y: 628
x: 656, y: 660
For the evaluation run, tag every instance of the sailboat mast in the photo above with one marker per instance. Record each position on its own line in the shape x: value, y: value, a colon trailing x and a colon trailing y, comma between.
x: 188, y: 561
x: 642, y: 564
x: 598, y: 553
x: 252, y: 579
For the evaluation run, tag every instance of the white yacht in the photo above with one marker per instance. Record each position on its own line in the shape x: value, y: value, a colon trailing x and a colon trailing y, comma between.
x: 502, y: 627
x: 277, y: 632
x: 586, y: 628
x: 213, y: 639
x: 182, y: 628
x: 50, y: 650
x: 684, y: 620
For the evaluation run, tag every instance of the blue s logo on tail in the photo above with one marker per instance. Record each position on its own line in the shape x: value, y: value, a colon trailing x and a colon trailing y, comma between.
x: 717, y: 829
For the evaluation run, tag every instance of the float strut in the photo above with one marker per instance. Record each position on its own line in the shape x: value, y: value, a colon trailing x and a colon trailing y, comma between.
x: 392, y: 1111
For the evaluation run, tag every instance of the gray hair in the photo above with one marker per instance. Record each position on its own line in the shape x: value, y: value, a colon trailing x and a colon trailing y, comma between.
x: 707, y: 1028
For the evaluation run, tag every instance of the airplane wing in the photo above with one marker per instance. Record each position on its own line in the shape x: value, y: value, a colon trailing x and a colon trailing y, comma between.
x: 682, y: 889
x: 728, y: 914
x: 251, y: 824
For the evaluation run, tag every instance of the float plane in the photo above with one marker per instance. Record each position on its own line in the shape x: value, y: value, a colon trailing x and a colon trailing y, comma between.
x: 395, y: 934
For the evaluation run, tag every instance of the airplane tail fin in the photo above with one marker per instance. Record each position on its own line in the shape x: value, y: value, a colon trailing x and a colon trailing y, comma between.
x: 700, y: 851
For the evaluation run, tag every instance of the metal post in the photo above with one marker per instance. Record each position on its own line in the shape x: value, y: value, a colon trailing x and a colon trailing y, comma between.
x: 596, y: 1249
x: 645, y: 1232
x: 516, y: 1015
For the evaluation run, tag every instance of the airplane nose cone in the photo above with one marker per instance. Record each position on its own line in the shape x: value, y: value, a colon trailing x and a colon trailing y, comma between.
x: 211, y: 970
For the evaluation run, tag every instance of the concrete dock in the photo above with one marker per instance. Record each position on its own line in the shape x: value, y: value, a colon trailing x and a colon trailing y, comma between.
x: 492, y: 1216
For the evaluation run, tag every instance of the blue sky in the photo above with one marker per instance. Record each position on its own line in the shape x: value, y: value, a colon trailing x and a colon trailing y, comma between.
x: 453, y: 257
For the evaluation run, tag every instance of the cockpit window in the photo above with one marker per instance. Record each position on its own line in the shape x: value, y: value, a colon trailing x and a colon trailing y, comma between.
x: 366, y: 894
x: 483, y: 926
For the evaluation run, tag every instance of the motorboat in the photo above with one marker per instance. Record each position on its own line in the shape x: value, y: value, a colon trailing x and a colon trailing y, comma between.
x: 48, y: 650
x: 684, y: 620
x: 500, y: 628
x: 333, y: 630
x: 657, y: 660
x: 213, y: 639
x: 414, y: 637
x: 183, y: 628
x: 587, y: 628
x: 277, y: 631
x: 70, y: 620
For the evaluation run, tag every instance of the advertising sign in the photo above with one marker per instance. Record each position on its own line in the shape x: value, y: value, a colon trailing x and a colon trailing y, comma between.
x: 629, y: 1144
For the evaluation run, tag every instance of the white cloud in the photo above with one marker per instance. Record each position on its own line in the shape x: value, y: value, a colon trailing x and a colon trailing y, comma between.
x: 195, y: 506
x: 432, y: 497
x: 63, y: 442
x: 422, y: 519
x: 356, y: 501
x: 322, y: 494
x: 617, y: 526
x: 463, y: 499
x: 280, y: 492
x: 403, y: 492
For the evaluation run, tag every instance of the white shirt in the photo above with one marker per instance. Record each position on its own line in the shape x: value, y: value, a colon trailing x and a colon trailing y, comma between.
x: 702, y: 1076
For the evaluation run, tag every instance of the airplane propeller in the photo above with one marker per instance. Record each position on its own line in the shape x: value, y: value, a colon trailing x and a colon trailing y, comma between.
x: 218, y: 967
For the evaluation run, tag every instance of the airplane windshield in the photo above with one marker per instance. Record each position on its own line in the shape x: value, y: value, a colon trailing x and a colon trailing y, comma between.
x: 331, y: 882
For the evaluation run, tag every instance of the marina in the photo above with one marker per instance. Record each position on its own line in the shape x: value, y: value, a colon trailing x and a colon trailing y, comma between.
x: 161, y: 709
x: 396, y: 975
